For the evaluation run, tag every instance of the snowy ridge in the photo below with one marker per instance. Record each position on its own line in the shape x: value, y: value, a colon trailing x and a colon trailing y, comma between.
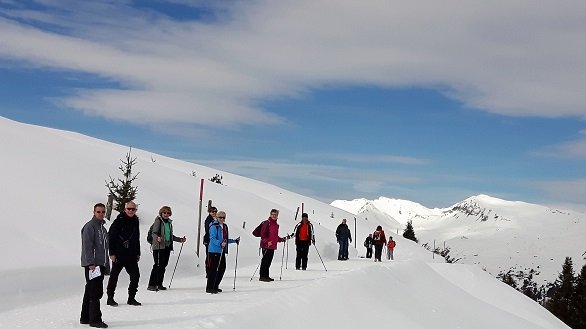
x: 54, y: 177
x: 496, y: 234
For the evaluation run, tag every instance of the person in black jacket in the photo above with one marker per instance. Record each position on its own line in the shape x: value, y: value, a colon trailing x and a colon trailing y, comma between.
x: 212, y: 211
x: 125, y: 253
x: 343, y: 235
x: 368, y: 245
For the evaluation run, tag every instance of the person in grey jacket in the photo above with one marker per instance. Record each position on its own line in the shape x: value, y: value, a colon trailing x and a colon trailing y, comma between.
x: 96, y: 263
x: 162, y: 246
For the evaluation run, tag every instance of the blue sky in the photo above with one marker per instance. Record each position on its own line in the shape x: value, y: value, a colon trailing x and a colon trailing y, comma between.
x: 332, y: 99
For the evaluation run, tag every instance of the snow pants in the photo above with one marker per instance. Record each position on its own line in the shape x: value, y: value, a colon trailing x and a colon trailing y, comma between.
x: 94, y: 290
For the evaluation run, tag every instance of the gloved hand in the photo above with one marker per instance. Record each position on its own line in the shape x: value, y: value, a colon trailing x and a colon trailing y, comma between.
x: 238, y: 240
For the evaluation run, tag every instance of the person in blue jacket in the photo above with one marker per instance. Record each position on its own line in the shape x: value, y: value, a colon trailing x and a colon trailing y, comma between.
x: 217, y: 250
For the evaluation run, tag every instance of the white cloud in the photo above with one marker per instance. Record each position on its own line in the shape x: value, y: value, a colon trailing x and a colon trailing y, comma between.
x: 567, y: 191
x: 370, y: 158
x: 575, y: 149
x: 512, y: 58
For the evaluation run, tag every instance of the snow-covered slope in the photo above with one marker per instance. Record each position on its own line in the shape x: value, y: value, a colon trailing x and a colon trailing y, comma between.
x: 494, y: 233
x: 52, y: 178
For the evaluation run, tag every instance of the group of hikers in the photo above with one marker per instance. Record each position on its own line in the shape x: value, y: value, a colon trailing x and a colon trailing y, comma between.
x: 121, y: 246
x: 376, y: 239
x: 379, y: 240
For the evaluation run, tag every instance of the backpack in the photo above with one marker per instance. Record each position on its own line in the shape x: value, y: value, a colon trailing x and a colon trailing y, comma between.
x: 150, y: 234
x: 206, y: 236
x: 256, y: 232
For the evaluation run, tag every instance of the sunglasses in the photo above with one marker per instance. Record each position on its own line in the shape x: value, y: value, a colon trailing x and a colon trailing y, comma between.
x: 131, y: 209
x: 166, y: 213
x: 100, y: 212
x: 222, y: 217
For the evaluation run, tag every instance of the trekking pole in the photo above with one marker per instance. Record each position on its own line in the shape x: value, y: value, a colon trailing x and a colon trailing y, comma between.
x: 218, y: 269
x: 322, y: 261
x: 257, y: 266
x: 287, y: 259
x: 282, y: 257
x: 158, y: 269
x: 176, y: 264
x: 236, y: 265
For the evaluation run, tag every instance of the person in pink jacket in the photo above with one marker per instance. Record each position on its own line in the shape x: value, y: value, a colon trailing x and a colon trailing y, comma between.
x: 269, y: 237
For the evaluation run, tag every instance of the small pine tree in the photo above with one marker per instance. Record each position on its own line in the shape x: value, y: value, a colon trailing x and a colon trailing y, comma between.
x: 122, y: 189
x: 579, y: 301
x: 409, y: 233
x: 560, y: 304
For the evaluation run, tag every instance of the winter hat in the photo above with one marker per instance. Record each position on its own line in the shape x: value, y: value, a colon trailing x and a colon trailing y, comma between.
x: 304, y: 215
x: 378, y: 228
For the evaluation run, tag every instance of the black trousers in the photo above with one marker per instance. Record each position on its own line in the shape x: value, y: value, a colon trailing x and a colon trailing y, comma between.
x: 94, y: 290
x: 216, y: 267
x: 131, y: 267
x: 161, y: 258
x: 302, y: 251
x: 265, y: 263
x: 378, y: 250
x: 369, y: 252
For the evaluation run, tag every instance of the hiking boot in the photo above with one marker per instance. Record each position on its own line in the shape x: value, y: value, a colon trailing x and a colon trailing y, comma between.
x: 218, y: 290
x: 152, y: 288
x: 265, y: 279
x: 83, y: 321
x: 111, y: 302
x: 100, y: 324
x: 133, y: 302
x: 211, y: 291
x: 162, y: 288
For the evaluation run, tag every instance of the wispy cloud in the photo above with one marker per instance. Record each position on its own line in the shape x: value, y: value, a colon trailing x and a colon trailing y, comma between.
x: 568, y: 191
x: 368, y: 158
x: 511, y: 58
x: 575, y: 149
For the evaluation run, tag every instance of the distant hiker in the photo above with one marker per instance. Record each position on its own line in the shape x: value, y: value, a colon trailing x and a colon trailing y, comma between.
x: 343, y: 235
x: 304, y: 237
x: 269, y: 237
x: 390, y: 247
x: 368, y: 245
x: 125, y: 253
x: 212, y: 211
x: 96, y: 264
x: 162, y: 246
x: 379, y: 240
x: 218, y: 248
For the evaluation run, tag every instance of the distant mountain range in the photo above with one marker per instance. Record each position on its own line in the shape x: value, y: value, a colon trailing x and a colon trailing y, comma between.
x: 496, y: 234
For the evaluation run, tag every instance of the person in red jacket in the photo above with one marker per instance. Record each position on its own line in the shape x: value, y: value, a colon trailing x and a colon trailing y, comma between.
x: 378, y: 240
x: 390, y: 247
x: 269, y: 237
x: 304, y: 237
